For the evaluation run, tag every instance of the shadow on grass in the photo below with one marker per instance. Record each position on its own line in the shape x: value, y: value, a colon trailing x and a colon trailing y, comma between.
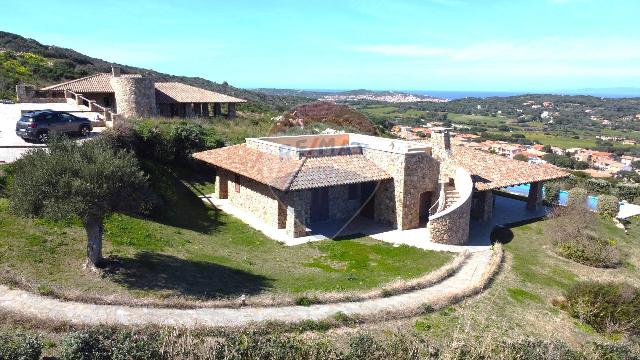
x: 179, y: 204
x: 158, y: 272
x: 502, y: 235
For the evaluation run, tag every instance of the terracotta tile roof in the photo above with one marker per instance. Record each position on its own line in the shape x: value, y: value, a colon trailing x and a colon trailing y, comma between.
x: 256, y: 165
x: 492, y: 171
x: 171, y: 92
x: 336, y: 170
x: 166, y: 92
x: 98, y: 83
x: 287, y: 174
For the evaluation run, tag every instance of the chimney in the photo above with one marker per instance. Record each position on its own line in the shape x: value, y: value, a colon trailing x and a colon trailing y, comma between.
x: 441, y: 141
x: 115, y: 70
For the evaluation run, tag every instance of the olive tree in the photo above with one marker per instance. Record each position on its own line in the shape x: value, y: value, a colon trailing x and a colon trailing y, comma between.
x: 87, y: 180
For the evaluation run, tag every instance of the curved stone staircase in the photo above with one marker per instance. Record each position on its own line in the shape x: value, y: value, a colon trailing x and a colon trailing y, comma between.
x: 451, y: 196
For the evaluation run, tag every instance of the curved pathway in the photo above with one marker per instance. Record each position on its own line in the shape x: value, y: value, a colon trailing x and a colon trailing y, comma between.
x: 23, y: 302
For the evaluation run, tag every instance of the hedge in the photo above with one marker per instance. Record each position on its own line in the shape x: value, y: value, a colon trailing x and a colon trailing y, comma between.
x: 608, y: 205
x: 577, y: 197
x: 20, y: 347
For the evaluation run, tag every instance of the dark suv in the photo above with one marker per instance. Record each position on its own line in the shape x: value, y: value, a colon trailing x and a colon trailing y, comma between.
x: 38, y: 125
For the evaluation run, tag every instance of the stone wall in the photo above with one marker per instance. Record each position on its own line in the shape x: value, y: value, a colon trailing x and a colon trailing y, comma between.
x: 451, y: 226
x: 135, y: 96
x: 398, y: 203
x: 254, y: 197
x: 298, y: 212
x: 340, y: 207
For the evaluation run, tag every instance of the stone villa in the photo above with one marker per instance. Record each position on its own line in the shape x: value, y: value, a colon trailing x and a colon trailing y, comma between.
x: 301, y: 183
x: 132, y: 95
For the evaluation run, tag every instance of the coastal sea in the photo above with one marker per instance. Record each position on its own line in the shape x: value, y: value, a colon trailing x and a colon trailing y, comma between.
x: 452, y: 95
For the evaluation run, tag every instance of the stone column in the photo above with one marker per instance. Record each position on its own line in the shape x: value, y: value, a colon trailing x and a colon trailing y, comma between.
x: 78, y: 99
x: 487, y: 205
x: 217, y: 109
x: 222, y: 184
x: 297, y: 214
x: 535, y: 198
x: 188, y: 110
x: 231, y: 111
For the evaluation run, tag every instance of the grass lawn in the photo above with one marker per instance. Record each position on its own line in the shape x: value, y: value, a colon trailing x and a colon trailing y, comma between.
x: 518, y: 303
x: 192, y: 250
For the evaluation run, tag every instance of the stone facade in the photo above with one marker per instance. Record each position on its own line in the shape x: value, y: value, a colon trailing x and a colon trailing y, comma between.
x: 451, y: 226
x: 298, y: 212
x: 397, y: 203
x: 135, y: 96
x: 254, y: 197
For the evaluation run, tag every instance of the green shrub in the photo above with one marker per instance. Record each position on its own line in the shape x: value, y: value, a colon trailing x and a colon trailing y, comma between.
x: 608, y: 205
x: 574, y: 234
x: 589, y: 250
x: 598, y: 186
x: 251, y: 345
x: 532, y: 348
x: 165, y: 141
x: 612, y: 351
x: 306, y: 301
x: 187, y: 138
x: 607, y: 307
x: 627, y: 191
x: 577, y: 197
x: 551, y: 191
x: 20, y: 347
x: 107, y: 344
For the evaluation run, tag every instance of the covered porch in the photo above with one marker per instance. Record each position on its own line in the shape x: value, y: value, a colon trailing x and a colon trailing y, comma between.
x: 181, y: 100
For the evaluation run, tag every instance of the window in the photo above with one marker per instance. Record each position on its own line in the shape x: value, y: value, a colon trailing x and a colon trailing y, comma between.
x: 354, y: 191
x: 236, y: 181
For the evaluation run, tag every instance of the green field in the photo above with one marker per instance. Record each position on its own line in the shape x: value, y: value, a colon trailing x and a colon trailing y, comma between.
x: 191, y: 250
x: 519, y: 302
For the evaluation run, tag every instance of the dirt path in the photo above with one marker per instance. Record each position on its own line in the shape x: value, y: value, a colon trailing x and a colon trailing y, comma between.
x: 29, y: 304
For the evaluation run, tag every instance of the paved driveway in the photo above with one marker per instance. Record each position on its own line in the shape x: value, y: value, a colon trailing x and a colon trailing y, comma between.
x: 11, y: 145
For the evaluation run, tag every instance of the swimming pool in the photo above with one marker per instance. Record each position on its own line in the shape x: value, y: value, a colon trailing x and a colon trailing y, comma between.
x: 563, y: 197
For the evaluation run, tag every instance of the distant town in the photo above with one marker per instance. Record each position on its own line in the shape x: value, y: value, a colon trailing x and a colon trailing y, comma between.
x: 384, y: 97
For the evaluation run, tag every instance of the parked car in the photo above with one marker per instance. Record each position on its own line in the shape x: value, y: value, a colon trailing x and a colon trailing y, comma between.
x: 38, y: 125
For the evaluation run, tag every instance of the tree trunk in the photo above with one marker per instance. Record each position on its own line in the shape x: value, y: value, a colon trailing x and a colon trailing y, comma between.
x: 94, y: 230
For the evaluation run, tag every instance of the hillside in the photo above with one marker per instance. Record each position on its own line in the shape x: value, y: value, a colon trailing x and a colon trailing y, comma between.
x: 325, y: 114
x: 27, y: 60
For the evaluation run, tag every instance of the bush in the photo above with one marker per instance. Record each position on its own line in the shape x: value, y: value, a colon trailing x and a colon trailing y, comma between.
x: 598, y: 186
x: 608, y: 205
x: 165, y: 141
x: 577, y: 197
x: 612, y: 351
x: 551, y: 191
x: 627, y: 191
x: 101, y: 343
x: 607, y: 307
x: 574, y: 236
x: 20, y: 347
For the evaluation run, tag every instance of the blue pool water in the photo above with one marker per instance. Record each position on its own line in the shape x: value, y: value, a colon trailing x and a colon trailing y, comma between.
x: 592, y: 201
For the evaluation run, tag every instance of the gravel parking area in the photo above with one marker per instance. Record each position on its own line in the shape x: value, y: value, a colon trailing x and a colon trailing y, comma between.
x: 11, y: 145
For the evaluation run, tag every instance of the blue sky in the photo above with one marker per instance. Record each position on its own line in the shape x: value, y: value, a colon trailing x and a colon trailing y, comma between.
x: 483, y: 45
